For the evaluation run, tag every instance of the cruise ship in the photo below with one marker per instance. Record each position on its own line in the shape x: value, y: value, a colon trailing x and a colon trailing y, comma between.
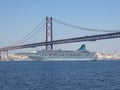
x: 64, y: 55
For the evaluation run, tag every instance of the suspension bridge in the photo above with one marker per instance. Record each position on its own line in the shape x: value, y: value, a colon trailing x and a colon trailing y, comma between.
x: 50, y: 42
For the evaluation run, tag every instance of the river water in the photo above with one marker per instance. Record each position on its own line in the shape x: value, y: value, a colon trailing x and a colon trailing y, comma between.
x: 36, y: 75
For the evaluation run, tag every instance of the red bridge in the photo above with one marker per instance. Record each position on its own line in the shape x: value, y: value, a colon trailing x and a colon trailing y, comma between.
x: 50, y: 42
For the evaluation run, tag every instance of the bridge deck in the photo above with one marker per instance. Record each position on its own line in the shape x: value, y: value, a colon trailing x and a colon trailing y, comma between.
x: 62, y: 41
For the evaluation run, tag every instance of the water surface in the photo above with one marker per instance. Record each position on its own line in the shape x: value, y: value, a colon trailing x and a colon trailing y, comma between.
x: 35, y: 75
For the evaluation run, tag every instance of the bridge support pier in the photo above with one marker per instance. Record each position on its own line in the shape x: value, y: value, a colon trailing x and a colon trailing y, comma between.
x: 4, y: 55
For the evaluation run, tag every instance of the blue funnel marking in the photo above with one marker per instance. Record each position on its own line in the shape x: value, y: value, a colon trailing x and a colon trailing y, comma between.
x: 82, y: 48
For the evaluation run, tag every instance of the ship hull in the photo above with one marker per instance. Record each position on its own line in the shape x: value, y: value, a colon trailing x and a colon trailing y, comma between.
x: 40, y: 58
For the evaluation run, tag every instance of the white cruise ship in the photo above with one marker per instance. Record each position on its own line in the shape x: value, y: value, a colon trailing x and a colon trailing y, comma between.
x: 61, y: 55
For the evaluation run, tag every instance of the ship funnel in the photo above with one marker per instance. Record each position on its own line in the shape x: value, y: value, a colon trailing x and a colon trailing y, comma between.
x: 82, y: 48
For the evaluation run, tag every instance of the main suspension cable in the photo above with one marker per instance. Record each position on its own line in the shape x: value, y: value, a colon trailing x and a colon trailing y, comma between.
x: 29, y: 35
x: 84, y: 28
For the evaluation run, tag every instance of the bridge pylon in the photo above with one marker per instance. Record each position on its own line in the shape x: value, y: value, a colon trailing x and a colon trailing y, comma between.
x: 4, y: 55
x: 49, y: 33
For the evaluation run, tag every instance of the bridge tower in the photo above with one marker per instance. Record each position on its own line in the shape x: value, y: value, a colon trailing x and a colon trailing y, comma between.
x: 49, y: 33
